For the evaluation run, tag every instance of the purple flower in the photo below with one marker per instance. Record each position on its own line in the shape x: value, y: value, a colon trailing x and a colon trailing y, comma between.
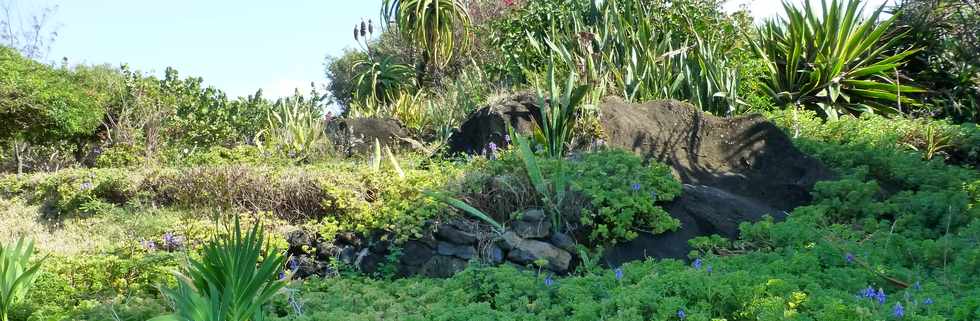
x: 849, y: 258
x: 709, y: 269
x: 917, y: 285
x: 869, y: 292
x: 149, y: 245
x: 548, y: 281
x: 86, y: 186
x: 928, y: 301
x: 507, y: 138
x: 619, y: 274
x: 293, y: 265
x: 880, y: 296
x: 171, y: 241
x: 681, y: 314
x: 493, y: 147
x: 636, y: 187
x: 899, y: 310
x: 696, y: 264
x: 282, y: 275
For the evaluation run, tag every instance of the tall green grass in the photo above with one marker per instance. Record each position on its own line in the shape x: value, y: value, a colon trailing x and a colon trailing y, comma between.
x: 17, y: 274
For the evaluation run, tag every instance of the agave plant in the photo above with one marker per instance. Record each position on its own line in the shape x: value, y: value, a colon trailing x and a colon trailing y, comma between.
x: 836, y: 62
x: 295, y: 128
x: 235, y: 277
x: 431, y: 24
x: 17, y: 274
x: 380, y: 81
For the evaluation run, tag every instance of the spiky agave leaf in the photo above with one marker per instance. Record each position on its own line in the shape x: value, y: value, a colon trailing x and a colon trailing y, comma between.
x: 834, y: 61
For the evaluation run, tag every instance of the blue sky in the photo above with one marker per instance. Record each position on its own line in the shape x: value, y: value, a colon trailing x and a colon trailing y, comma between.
x: 237, y: 46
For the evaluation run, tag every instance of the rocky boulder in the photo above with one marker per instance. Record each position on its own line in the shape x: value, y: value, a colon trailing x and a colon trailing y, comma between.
x: 356, y: 136
x: 702, y: 210
x: 747, y: 156
x: 489, y: 124
x: 524, y: 252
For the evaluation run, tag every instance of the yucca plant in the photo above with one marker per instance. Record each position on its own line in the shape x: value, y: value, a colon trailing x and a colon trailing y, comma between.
x: 559, y: 107
x: 235, y: 277
x: 17, y: 274
x: 380, y: 81
x: 833, y: 60
x: 432, y: 25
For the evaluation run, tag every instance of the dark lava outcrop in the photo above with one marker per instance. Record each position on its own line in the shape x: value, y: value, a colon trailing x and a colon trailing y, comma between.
x: 734, y: 169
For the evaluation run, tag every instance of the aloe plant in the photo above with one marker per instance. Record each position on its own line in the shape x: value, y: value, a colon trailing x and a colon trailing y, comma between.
x: 380, y: 81
x: 833, y: 60
x: 432, y: 25
x: 235, y: 277
x: 17, y: 274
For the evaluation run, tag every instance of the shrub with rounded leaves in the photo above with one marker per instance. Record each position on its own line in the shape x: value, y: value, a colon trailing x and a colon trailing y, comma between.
x: 40, y: 103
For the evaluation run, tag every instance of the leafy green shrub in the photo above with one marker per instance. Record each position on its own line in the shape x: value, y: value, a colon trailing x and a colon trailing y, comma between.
x: 119, y: 156
x: 622, y: 195
x: 835, y: 61
x: 74, y: 192
x: 962, y: 142
x: 373, y: 201
x: 219, y: 155
x: 510, y: 34
x: 69, y: 285
x: 41, y: 104
x: 610, y: 194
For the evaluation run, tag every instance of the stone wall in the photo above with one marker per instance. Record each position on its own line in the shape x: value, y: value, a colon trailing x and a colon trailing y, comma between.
x: 444, y: 250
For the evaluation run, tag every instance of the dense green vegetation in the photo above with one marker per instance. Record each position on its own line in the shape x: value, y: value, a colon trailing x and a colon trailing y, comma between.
x: 123, y: 178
